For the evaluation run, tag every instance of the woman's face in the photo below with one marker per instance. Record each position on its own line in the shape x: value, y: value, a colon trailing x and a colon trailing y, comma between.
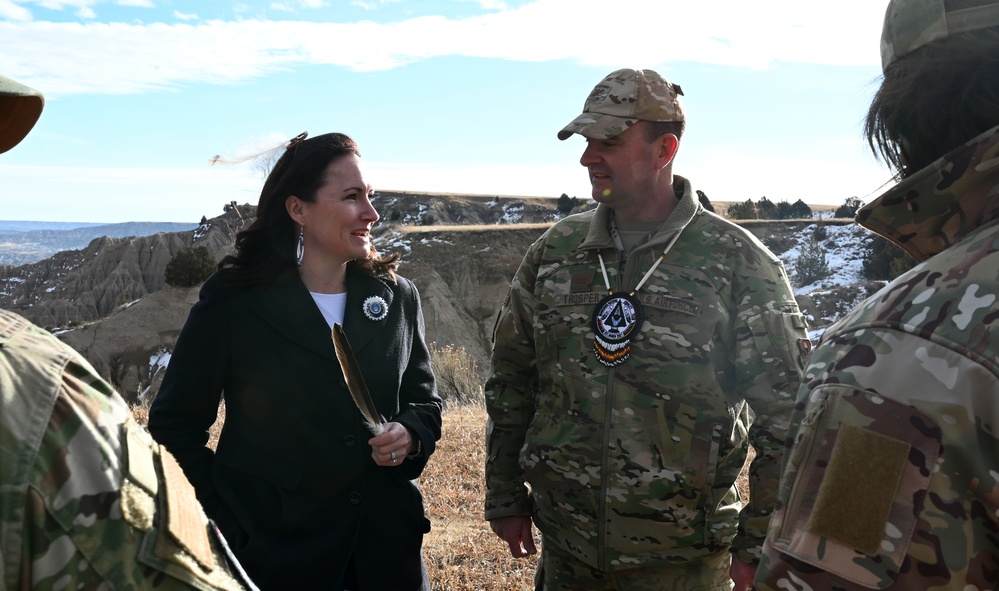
x: 338, y: 223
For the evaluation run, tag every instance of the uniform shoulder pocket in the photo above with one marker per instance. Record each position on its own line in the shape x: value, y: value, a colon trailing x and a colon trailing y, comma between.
x: 781, y: 338
x: 856, y: 476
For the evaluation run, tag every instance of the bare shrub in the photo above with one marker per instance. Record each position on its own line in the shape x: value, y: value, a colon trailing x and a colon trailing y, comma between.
x: 140, y: 411
x: 457, y: 373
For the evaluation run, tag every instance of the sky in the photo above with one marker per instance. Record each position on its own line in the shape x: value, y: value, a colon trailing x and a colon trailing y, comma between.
x: 461, y: 96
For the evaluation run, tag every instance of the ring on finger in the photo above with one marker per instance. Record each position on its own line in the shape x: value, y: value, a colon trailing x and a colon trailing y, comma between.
x: 392, y: 455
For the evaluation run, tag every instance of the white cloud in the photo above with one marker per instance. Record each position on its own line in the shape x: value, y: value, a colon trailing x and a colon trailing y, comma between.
x: 64, y: 4
x: 81, y: 8
x: 136, y: 3
x: 12, y: 10
x: 372, y: 4
x: 120, y: 58
x: 303, y: 4
x: 169, y: 194
x: 184, y: 16
x: 489, y: 4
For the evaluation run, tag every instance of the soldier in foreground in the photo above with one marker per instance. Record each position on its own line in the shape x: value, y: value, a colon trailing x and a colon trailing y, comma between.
x: 87, y: 499
x: 892, y: 481
x: 629, y: 350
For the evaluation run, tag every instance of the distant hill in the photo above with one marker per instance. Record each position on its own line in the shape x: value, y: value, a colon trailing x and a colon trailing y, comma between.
x: 110, y: 302
x: 23, y: 242
x: 27, y: 225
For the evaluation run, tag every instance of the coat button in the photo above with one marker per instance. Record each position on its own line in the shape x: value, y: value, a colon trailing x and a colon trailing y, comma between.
x: 349, y: 441
x: 355, y: 498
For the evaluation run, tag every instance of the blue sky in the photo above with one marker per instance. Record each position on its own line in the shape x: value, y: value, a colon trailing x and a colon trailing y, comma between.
x: 442, y: 95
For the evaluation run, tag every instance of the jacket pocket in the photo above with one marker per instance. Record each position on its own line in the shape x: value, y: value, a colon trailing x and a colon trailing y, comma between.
x: 781, y: 338
x: 688, y: 454
x: 856, y: 476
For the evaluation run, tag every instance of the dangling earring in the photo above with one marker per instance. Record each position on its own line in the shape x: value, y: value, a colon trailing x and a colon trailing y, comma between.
x: 300, y: 248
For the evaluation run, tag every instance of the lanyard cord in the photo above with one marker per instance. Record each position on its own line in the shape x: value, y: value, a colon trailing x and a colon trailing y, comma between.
x: 603, y: 268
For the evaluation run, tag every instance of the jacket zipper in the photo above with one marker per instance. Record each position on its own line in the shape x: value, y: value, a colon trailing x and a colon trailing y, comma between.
x: 604, y: 455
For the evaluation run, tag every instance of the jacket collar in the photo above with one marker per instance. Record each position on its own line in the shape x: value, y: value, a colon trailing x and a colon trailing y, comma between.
x: 289, y: 308
x: 688, y: 206
x: 939, y: 205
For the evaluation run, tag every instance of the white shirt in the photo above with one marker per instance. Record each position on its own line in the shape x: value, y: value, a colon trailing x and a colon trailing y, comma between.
x: 331, y: 305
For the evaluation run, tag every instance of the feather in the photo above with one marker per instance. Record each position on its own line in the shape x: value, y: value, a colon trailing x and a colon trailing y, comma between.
x: 355, y: 381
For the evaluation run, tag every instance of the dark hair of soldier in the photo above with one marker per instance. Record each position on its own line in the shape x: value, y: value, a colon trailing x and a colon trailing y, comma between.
x: 657, y: 129
x: 265, y: 250
x: 935, y: 99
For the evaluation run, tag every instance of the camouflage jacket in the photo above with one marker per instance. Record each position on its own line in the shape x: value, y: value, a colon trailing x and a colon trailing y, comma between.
x: 636, y: 464
x: 87, y: 499
x: 892, y: 479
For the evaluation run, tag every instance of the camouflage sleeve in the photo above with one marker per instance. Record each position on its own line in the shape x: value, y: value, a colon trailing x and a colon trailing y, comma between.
x: 771, y: 347
x: 105, y: 506
x: 510, y: 393
x: 892, y: 480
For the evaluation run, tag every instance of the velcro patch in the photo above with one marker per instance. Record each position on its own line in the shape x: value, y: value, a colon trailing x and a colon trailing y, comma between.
x: 138, y: 507
x: 582, y: 280
x: 141, y: 466
x: 670, y: 304
x: 580, y: 299
x: 858, y: 489
x: 184, y: 520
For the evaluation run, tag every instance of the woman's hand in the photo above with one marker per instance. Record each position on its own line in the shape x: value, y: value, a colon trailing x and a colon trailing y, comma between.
x: 392, y: 446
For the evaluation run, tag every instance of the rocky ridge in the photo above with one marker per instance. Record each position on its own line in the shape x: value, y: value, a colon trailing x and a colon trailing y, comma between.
x: 110, y: 301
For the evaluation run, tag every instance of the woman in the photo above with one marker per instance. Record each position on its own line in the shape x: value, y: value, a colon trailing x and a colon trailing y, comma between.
x: 304, y: 494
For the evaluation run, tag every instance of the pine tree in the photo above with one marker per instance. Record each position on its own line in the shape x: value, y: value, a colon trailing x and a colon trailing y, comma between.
x: 189, y: 267
x: 811, y: 264
x: 885, y: 261
x: 742, y: 211
x: 849, y: 208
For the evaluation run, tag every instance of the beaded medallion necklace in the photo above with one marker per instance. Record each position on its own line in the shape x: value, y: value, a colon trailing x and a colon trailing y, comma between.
x: 619, y: 315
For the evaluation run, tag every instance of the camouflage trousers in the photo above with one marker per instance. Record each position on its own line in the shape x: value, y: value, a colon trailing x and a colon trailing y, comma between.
x: 560, y: 571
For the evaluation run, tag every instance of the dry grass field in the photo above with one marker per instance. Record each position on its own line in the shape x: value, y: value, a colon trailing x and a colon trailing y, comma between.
x: 462, y: 553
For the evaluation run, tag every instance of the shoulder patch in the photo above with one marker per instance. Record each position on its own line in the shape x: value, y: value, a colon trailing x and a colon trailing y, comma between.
x: 856, y: 495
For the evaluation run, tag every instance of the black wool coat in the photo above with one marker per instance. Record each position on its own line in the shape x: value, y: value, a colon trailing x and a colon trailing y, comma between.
x: 292, y: 484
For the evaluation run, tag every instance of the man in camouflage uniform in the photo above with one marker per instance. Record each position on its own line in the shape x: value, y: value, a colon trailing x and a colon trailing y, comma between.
x: 893, y: 478
x: 87, y: 499
x: 633, y: 341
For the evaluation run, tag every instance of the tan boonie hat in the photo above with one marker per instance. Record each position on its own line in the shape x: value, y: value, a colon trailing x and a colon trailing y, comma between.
x: 911, y: 24
x: 20, y: 108
x: 621, y: 99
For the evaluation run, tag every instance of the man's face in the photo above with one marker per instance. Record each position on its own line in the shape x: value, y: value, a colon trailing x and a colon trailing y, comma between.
x: 622, y: 169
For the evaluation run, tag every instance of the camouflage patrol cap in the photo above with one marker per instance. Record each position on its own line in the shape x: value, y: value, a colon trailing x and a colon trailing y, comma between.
x: 622, y: 98
x: 20, y: 108
x: 911, y: 24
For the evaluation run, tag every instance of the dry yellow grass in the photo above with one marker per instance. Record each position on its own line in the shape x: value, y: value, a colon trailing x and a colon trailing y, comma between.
x: 462, y: 553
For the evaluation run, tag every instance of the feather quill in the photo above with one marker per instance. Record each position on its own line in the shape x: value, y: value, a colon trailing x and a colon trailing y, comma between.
x: 355, y: 381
